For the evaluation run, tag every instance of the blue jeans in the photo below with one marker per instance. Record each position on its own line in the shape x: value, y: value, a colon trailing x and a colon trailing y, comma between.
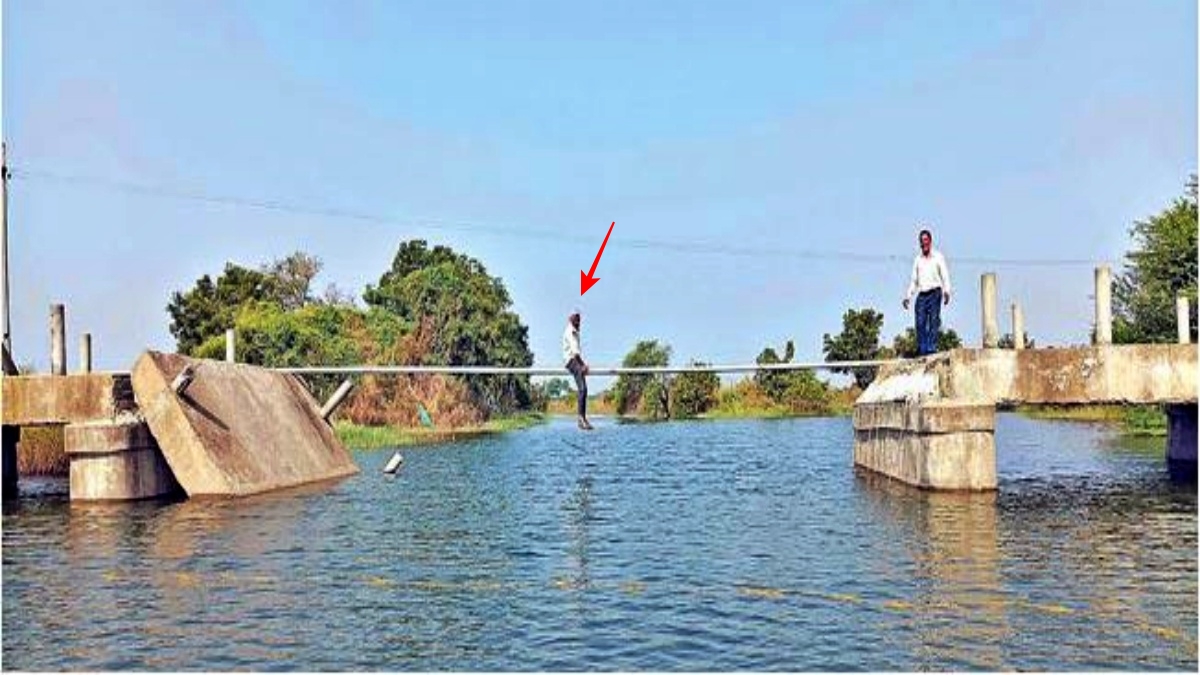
x: 575, y: 366
x: 929, y: 320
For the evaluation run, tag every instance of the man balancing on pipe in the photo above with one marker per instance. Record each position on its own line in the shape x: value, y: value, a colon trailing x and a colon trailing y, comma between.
x: 931, y: 282
x: 576, y: 366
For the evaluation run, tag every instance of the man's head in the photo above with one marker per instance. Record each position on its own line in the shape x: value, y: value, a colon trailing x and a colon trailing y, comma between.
x: 573, y: 319
x: 926, y: 239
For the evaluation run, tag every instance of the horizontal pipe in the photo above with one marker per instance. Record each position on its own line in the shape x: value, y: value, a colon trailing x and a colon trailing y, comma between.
x: 549, y: 370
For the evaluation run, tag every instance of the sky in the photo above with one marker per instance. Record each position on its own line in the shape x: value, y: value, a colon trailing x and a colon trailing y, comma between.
x: 767, y: 164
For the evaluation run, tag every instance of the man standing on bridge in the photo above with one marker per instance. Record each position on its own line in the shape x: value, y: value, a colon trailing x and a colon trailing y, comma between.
x: 931, y: 283
x: 577, y: 367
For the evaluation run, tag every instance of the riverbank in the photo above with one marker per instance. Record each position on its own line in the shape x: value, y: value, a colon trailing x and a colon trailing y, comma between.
x: 1140, y: 420
x: 362, y: 437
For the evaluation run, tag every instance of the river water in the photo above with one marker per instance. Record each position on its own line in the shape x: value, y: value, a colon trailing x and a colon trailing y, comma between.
x: 749, y: 545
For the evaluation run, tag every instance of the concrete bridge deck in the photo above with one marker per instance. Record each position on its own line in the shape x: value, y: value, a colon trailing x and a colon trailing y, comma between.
x: 930, y: 421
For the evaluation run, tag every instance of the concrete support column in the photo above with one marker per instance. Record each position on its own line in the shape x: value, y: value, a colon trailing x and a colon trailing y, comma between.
x: 116, y: 461
x: 58, y: 340
x: 1183, y: 320
x: 85, y: 353
x: 1018, y: 327
x: 1103, y: 305
x: 987, y: 304
x: 941, y: 445
x: 11, y: 434
x: 230, y: 346
x: 1181, y: 440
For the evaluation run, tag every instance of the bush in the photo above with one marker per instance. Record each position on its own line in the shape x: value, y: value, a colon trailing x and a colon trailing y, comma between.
x: 693, y: 394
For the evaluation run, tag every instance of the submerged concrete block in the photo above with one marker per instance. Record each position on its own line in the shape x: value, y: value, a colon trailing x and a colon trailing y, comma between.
x: 1181, y: 433
x: 238, y: 429
x: 942, y: 445
x: 116, y: 460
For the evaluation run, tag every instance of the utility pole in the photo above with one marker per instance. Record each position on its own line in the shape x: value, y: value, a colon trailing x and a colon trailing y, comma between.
x: 9, y: 364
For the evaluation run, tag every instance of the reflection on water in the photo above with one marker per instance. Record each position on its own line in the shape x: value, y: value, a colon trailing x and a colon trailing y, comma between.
x: 739, y: 545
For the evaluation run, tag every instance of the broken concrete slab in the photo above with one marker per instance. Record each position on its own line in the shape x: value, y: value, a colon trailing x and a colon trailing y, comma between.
x: 31, y: 400
x: 238, y: 429
x: 1123, y: 374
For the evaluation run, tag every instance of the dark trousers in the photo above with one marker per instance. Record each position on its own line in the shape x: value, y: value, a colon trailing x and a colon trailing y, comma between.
x: 929, y: 320
x: 575, y: 365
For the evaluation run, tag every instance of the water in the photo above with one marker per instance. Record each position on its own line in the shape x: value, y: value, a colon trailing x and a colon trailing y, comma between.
x: 701, y: 546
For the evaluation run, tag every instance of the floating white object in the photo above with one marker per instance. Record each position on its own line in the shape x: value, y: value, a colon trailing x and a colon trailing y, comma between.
x: 394, y: 463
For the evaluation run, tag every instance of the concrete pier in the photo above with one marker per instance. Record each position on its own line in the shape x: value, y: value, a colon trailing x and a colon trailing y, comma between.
x: 934, y: 445
x: 987, y: 304
x: 1181, y: 440
x: 1103, y: 305
x: 58, y: 340
x: 1183, y: 320
x: 85, y: 353
x: 116, y: 460
x: 1018, y: 327
x: 230, y: 346
x: 11, y: 434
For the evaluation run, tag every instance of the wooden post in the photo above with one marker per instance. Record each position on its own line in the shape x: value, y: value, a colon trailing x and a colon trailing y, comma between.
x: 1103, y: 305
x: 58, y: 340
x: 230, y: 346
x: 1183, y: 319
x: 85, y: 353
x: 337, y: 399
x: 1018, y: 327
x: 987, y: 304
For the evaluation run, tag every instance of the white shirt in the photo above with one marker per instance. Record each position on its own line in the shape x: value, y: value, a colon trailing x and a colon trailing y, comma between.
x: 929, y: 272
x: 570, y: 343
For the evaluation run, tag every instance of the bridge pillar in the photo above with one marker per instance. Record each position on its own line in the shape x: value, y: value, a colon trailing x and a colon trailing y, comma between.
x: 936, y: 445
x: 116, y: 460
x: 1181, y: 439
x: 11, y: 434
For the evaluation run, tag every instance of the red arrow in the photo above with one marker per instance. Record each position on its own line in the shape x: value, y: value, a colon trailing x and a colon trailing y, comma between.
x: 586, y: 281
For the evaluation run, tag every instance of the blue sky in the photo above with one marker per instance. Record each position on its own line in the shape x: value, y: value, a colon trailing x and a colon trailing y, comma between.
x: 1018, y: 130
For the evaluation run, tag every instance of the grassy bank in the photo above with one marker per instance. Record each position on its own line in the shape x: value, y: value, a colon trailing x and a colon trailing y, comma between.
x: 360, y: 437
x: 41, y: 452
x: 1141, y: 420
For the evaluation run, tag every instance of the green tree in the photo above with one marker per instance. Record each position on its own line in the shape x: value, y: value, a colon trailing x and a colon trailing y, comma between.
x: 270, y: 336
x: 643, y: 393
x: 693, y: 393
x: 774, y: 383
x: 1161, y: 266
x: 858, y: 341
x: 472, y: 312
x: 1006, y: 341
x: 799, y: 390
x: 293, y: 278
x: 904, y: 345
x: 209, y: 308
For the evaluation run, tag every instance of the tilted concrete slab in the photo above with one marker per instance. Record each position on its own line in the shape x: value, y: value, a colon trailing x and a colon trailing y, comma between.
x: 1131, y: 374
x: 237, y: 429
x: 31, y: 400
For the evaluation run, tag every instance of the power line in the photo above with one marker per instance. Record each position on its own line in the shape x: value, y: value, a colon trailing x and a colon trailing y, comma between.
x: 698, y: 247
